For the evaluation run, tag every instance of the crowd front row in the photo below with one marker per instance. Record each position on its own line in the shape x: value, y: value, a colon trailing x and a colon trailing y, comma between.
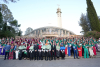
x: 49, y: 50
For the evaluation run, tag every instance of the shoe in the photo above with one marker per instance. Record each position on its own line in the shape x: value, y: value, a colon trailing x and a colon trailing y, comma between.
x: 77, y: 58
x: 4, y: 59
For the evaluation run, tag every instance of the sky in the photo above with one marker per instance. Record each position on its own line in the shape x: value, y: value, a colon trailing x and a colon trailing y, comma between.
x: 40, y: 13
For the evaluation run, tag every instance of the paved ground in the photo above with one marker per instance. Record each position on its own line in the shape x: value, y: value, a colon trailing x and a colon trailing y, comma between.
x: 95, y: 62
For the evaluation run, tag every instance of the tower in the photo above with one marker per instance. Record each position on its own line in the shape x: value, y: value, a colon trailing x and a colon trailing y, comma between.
x: 59, y: 17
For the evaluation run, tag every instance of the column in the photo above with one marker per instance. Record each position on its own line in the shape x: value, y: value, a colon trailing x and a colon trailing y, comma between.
x: 41, y: 33
x: 62, y: 33
x: 35, y: 33
x: 58, y: 33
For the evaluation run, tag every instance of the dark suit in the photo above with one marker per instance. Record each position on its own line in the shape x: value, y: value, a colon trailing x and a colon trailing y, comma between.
x: 36, y: 52
x: 53, y: 53
x: 31, y: 54
x: 20, y: 55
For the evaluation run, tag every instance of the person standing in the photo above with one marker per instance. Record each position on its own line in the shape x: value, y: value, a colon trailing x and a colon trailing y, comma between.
x: 46, y: 51
x: 69, y: 49
x: 91, y: 50
x: 62, y: 49
x: 66, y: 48
x: 98, y: 46
x: 94, y: 49
x: 14, y: 51
x: 53, y: 51
x: 39, y: 51
x: 49, y: 51
x: 58, y: 51
x: 86, y: 54
x: 43, y: 51
x: 31, y: 51
x: 7, y: 49
x: 75, y: 50
x: 27, y: 49
x: 36, y: 50
x: 20, y: 53
x: 17, y: 51
x: 80, y: 49
x: 24, y: 52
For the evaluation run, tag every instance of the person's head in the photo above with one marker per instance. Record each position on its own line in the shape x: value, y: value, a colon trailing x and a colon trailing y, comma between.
x: 74, y: 42
x: 99, y: 42
x: 11, y: 44
x: 15, y: 44
x: 53, y: 43
x: 32, y: 44
x: 8, y: 43
x: 35, y: 43
x: 66, y: 42
x: 57, y: 44
x: 21, y: 44
x: 84, y: 43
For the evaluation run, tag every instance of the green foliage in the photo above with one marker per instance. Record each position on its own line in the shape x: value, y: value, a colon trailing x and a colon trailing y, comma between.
x: 94, y: 34
x: 0, y: 19
x: 90, y: 21
x: 7, y: 1
x: 92, y: 15
x: 84, y: 23
x: 6, y: 34
x: 19, y: 33
x: 8, y: 26
x: 28, y: 30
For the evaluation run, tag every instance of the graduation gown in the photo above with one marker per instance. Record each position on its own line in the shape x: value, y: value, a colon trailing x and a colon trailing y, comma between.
x: 58, y: 51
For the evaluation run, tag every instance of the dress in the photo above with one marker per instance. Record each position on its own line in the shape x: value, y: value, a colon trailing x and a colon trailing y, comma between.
x: 94, y: 50
x: 11, y: 53
x: 80, y: 51
x: 66, y: 50
x: 91, y: 50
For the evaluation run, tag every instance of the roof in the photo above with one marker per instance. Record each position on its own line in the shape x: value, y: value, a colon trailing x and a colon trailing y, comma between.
x: 52, y: 27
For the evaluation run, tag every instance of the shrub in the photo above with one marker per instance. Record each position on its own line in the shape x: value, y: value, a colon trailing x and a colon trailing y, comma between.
x: 94, y: 34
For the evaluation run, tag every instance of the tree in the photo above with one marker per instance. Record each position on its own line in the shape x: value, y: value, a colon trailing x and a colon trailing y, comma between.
x: 92, y: 15
x: 84, y: 23
x: 19, y: 33
x: 0, y: 19
x: 28, y: 30
x: 6, y: 13
x: 7, y: 1
x: 9, y: 26
x: 99, y: 18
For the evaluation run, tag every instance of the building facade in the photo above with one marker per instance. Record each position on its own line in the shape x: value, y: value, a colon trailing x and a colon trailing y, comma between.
x: 51, y: 31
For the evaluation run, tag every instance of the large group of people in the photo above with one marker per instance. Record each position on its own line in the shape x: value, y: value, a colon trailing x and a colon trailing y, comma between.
x: 48, y: 48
